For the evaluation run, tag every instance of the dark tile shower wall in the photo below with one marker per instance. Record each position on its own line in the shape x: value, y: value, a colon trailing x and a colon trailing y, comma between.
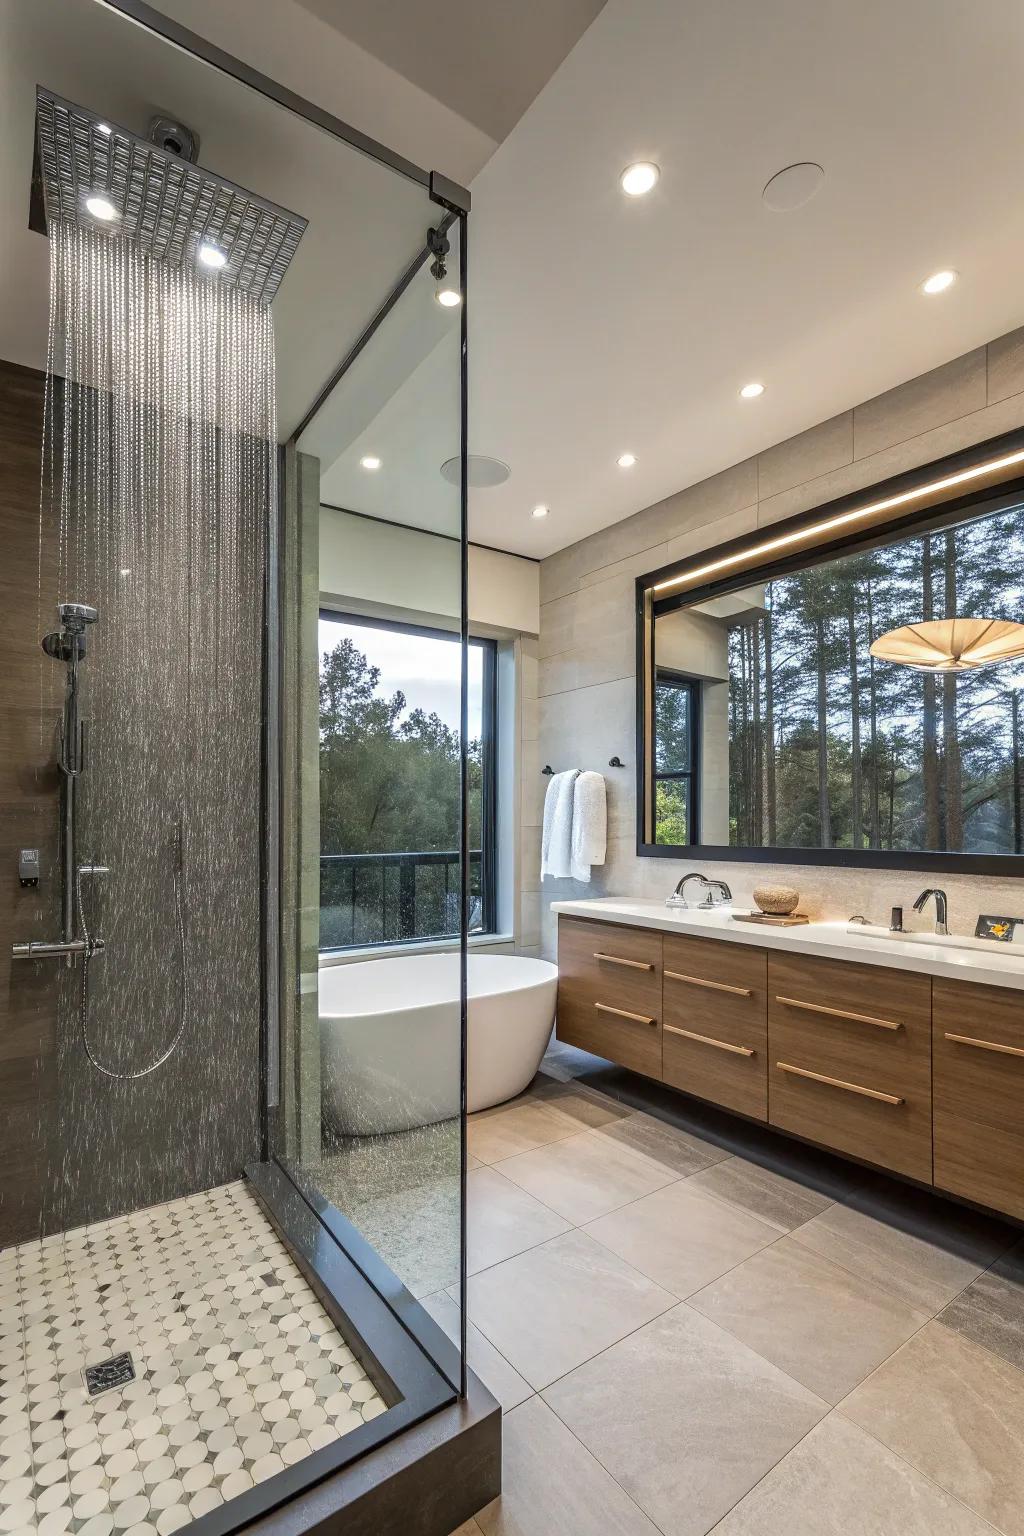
x: 76, y: 1146
x: 28, y: 816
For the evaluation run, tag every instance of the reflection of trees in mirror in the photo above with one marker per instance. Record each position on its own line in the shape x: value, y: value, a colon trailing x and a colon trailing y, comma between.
x: 829, y: 748
x: 388, y: 786
x: 674, y: 767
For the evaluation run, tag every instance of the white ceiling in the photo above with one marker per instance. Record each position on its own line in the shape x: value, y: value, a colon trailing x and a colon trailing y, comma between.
x: 601, y: 323
x: 598, y: 323
x: 365, y: 222
x: 486, y: 59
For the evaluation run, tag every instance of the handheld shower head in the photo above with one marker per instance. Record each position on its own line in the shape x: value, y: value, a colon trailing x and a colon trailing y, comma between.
x: 68, y: 643
x: 75, y: 616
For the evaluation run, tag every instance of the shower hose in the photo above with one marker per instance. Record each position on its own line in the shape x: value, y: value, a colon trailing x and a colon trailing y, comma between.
x: 84, y: 1005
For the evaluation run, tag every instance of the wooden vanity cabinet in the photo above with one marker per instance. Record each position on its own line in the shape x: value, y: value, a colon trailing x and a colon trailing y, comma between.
x: 923, y: 1077
x: 609, y: 992
x: 714, y: 1032
x: 850, y: 1059
x: 978, y: 1071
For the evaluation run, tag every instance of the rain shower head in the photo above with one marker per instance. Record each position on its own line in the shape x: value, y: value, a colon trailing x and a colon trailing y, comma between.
x: 178, y: 212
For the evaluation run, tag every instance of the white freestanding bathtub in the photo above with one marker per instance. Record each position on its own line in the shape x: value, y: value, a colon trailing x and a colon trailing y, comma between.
x: 389, y: 1037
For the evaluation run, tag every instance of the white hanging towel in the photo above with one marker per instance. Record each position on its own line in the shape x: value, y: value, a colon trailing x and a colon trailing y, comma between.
x: 556, y: 839
x: 589, y: 824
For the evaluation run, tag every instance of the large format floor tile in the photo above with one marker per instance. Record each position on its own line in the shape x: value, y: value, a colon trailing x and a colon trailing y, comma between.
x: 503, y: 1220
x: 590, y: 1110
x: 823, y: 1325
x: 841, y: 1482
x: 500, y: 1379
x: 956, y: 1412
x: 685, y: 1418
x: 991, y: 1311
x: 782, y: 1202
x: 680, y: 1238
x: 678, y: 1150
x: 515, y: 1127
x: 550, y: 1309
x: 552, y: 1486
x: 585, y: 1176
x: 915, y: 1246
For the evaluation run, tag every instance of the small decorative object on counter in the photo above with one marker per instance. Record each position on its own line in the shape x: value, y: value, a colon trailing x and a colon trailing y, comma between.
x: 1001, y: 929
x: 776, y: 900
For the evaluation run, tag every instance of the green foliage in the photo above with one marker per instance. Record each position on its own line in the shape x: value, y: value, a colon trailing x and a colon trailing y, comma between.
x: 670, y: 818
x: 387, y: 784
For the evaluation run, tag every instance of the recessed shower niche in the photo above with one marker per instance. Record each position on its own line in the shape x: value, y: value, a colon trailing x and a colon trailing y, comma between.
x: 184, y: 1336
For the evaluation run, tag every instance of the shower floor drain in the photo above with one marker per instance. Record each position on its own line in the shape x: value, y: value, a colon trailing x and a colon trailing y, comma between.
x: 118, y: 1371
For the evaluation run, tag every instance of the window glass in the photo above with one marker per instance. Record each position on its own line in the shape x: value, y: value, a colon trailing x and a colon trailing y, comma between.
x: 389, y: 782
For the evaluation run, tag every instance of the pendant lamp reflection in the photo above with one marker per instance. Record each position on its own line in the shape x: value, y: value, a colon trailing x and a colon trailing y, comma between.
x: 951, y: 645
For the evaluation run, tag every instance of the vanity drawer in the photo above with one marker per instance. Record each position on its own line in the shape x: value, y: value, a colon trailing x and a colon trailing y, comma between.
x: 609, y: 992
x: 978, y: 1067
x: 714, y: 1027
x: 849, y: 1052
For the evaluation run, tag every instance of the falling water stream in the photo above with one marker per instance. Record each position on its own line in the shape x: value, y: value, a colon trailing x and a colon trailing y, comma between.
x: 158, y: 471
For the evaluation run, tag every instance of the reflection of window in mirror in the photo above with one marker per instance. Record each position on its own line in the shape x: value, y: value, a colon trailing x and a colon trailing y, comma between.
x: 800, y: 737
x: 676, y: 763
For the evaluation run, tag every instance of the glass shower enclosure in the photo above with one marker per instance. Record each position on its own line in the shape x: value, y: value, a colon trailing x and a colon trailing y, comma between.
x: 220, y: 1282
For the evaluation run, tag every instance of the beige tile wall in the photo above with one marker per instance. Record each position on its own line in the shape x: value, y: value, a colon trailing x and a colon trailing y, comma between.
x: 585, y: 687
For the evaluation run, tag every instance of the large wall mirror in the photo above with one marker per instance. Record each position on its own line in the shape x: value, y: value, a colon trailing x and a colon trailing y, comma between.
x: 847, y: 687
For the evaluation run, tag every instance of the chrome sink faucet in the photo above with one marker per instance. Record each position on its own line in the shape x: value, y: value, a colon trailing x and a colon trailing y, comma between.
x: 941, y: 912
x: 709, y: 887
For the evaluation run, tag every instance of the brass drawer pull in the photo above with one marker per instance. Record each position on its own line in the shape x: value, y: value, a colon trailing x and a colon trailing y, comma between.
x: 716, y: 986
x: 836, y: 1082
x: 986, y: 1045
x: 838, y: 1013
x: 720, y: 1045
x: 634, y: 965
x: 624, y: 1013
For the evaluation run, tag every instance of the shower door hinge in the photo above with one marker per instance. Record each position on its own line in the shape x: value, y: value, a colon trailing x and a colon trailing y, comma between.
x: 449, y: 194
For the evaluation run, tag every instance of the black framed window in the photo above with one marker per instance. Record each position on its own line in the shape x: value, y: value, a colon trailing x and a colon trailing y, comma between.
x: 676, y: 757
x: 389, y: 782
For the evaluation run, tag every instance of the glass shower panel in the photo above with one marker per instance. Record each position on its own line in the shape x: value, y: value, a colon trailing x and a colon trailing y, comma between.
x: 372, y: 1079
x: 164, y: 327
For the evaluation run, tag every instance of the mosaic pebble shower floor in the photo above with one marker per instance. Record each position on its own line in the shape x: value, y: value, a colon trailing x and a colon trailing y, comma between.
x: 239, y: 1370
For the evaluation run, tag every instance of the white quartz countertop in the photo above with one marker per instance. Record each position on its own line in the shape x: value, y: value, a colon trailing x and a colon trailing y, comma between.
x: 1002, y: 967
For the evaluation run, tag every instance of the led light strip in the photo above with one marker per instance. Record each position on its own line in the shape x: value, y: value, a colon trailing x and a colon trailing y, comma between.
x: 841, y: 520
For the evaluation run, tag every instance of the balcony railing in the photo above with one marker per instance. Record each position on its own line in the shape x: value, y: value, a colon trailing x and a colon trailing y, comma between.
x: 394, y: 898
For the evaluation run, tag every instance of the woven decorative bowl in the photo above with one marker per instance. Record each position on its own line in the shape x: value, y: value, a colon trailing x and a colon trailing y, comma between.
x: 776, y: 900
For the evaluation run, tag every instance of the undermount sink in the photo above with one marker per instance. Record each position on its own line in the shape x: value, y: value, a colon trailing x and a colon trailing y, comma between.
x: 1009, y: 951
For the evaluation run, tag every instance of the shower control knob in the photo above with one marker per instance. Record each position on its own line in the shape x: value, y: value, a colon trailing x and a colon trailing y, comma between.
x: 28, y: 867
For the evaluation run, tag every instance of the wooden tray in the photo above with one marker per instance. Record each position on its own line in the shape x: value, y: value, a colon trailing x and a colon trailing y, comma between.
x: 793, y: 920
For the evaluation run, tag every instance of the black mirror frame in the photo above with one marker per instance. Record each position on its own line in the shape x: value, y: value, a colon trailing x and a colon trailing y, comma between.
x: 795, y: 544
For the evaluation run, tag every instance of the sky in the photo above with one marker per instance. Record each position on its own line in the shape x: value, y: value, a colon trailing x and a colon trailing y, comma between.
x: 426, y: 669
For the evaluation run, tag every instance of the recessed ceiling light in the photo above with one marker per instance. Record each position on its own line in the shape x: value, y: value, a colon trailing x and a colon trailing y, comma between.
x: 939, y: 281
x: 447, y: 295
x: 638, y: 179
x: 751, y: 391
x: 541, y: 511
x: 101, y: 207
x: 370, y: 461
x: 626, y: 460
x: 212, y: 255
